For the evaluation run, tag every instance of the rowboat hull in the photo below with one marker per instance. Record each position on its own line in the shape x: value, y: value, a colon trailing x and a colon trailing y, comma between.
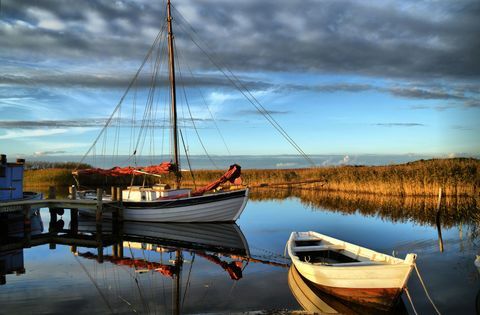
x: 374, y: 280
x: 314, y: 299
x: 218, y: 207
x: 477, y: 263
x: 376, y: 286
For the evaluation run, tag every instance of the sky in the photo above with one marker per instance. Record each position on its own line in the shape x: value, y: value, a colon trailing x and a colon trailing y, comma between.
x: 339, y: 77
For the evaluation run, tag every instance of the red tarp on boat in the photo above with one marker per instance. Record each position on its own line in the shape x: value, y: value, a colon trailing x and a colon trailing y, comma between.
x: 160, y: 169
x: 231, y: 175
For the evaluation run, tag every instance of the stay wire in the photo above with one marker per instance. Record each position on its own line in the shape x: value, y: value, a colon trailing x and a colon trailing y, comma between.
x: 148, y: 107
x: 117, y: 107
x: 188, y: 161
x: 247, y: 94
x: 191, y: 117
x: 208, y: 108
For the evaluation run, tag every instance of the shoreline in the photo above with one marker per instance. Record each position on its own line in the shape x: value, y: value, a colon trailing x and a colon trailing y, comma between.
x: 457, y: 177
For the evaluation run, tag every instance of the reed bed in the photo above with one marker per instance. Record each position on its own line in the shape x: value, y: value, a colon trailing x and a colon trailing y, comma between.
x: 457, y: 177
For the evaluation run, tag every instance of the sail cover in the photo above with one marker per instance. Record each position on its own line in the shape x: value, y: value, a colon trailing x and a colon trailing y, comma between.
x: 160, y: 169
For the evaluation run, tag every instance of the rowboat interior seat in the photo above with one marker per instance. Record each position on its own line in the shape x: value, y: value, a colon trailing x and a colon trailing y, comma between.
x: 317, y: 250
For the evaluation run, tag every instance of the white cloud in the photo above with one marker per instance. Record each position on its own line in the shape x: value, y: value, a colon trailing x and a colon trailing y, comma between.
x: 46, y: 19
x: 345, y: 160
x: 30, y: 133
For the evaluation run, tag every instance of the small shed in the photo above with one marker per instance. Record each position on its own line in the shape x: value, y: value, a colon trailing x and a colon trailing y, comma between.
x: 11, y: 179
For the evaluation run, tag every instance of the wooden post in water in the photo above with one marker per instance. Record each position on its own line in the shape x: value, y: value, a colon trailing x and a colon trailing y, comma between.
x: 99, y: 206
x: 51, y: 192
x: 438, y: 220
x: 27, y: 227
x: 99, y: 217
x: 3, y: 271
x: 73, y: 217
x: 120, y: 204
x: 53, y: 216
x: 119, y: 234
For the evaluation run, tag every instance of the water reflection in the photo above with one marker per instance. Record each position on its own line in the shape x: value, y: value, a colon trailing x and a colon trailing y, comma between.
x: 312, y: 299
x: 13, y: 230
x: 142, y: 250
x: 421, y: 210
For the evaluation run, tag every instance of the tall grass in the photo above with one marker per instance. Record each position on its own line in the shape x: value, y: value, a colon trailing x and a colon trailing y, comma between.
x: 456, y: 177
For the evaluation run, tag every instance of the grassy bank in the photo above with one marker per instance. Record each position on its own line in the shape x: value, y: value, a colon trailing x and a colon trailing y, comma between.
x: 457, y: 177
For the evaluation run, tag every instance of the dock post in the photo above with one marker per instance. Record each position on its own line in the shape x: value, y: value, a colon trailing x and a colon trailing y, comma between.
x: 3, y: 271
x: 53, y: 217
x: 438, y: 221
x: 99, y: 206
x: 99, y: 224
x: 51, y: 192
x: 73, y: 217
x: 120, y: 203
x: 27, y: 227
x: 114, y: 193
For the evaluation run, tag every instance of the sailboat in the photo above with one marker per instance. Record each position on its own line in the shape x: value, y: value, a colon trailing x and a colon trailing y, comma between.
x: 159, y: 203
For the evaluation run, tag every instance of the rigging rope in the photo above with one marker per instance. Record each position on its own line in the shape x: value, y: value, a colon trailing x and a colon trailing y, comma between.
x: 411, y: 301
x: 188, y: 161
x: 247, y: 94
x: 135, y: 77
x: 425, y: 289
x: 208, y: 108
x: 193, y: 121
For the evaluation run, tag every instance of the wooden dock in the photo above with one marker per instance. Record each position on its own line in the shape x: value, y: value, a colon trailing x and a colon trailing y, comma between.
x: 99, y: 205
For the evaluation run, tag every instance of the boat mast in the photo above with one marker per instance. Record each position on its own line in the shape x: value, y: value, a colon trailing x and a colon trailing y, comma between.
x: 171, y: 60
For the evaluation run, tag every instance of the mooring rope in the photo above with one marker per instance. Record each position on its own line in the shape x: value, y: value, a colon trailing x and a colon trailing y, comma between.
x: 425, y: 289
x: 410, y: 300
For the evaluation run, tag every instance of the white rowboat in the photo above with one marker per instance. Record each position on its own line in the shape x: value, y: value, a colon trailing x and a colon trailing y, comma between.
x: 349, y: 271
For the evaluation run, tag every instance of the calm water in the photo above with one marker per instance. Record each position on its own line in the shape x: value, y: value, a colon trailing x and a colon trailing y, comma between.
x: 56, y: 281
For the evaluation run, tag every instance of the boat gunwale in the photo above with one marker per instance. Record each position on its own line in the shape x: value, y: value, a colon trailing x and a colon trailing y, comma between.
x: 364, y: 255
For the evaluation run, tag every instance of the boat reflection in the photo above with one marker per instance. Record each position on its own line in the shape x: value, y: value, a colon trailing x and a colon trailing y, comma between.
x: 12, y: 229
x: 313, y: 300
x: 222, y: 244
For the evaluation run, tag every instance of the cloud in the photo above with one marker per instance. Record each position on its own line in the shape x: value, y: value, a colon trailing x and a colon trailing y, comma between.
x: 345, y: 160
x: 42, y: 153
x: 35, y: 124
x: 399, y: 124
x: 330, y: 37
x: 428, y: 94
x: 95, y: 123
x: 30, y: 133
x: 269, y: 112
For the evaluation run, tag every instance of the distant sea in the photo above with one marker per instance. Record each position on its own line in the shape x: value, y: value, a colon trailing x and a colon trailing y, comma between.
x: 246, y: 161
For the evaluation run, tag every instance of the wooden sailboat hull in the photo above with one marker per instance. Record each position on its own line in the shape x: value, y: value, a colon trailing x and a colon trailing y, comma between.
x: 369, y: 278
x: 218, y: 207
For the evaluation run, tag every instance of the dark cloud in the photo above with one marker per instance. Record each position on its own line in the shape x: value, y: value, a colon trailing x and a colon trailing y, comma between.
x: 33, y: 124
x: 422, y: 93
x: 94, y: 122
x: 389, y: 39
x: 461, y: 127
x: 268, y: 112
x: 399, y: 125
x: 118, y: 81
